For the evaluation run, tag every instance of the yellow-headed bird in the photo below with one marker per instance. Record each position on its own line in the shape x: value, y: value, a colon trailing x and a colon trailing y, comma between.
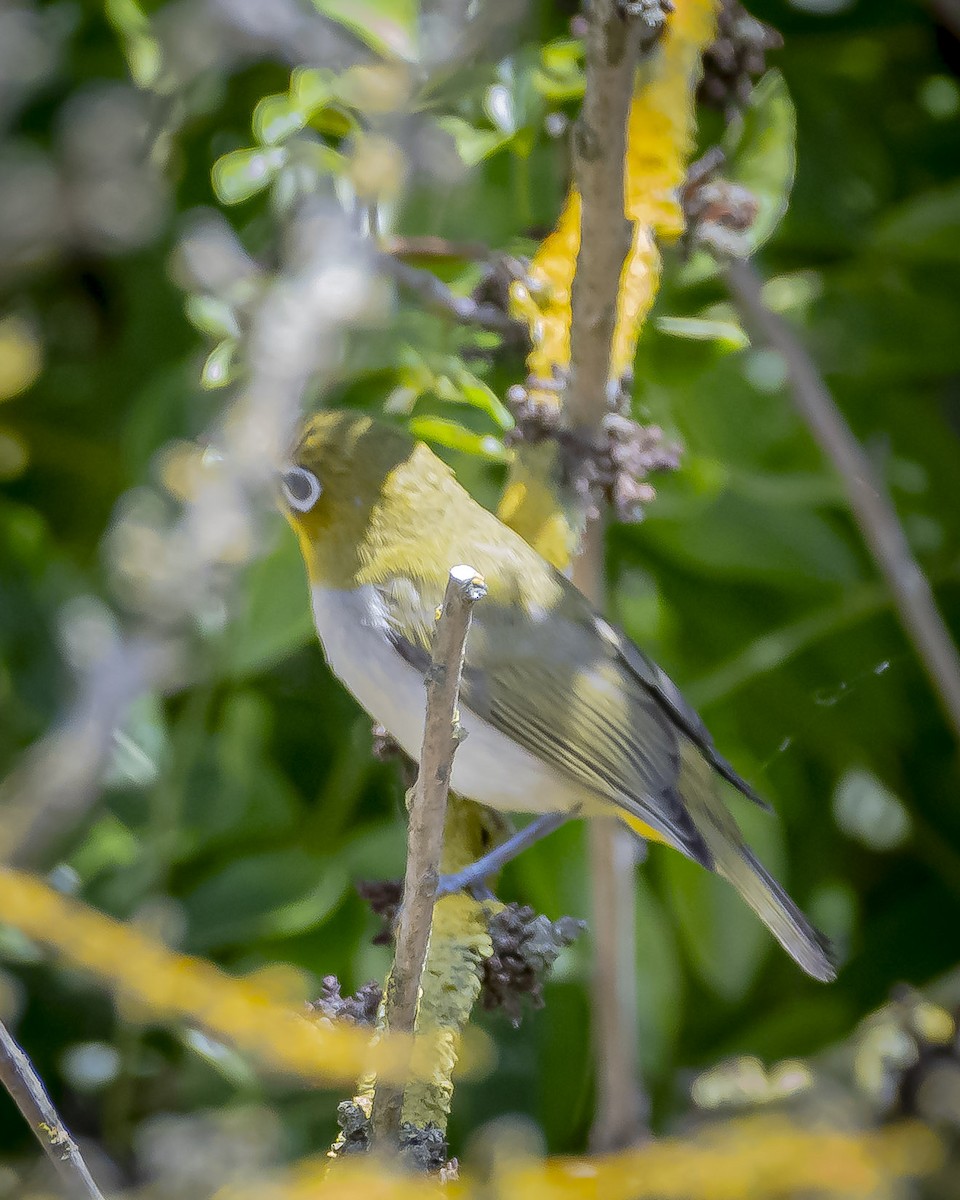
x: 563, y: 712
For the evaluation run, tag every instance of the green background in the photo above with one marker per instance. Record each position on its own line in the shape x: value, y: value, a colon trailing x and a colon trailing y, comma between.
x: 242, y: 810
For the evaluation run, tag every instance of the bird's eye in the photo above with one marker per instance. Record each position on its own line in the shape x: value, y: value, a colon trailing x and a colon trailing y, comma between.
x: 301, y: 488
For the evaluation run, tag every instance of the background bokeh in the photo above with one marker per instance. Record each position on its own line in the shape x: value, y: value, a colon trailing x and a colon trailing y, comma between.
x: 240, y: 809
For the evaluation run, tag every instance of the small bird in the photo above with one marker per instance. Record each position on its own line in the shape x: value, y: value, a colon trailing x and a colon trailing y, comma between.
x: 563, y: 713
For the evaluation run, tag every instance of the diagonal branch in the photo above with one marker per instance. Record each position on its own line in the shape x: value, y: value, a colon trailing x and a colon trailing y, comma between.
x: 290, y: 342
x: 441, y: 299
x: 428, y: 806
x: 18, y: 1076
x: 871, y: 507
x: 947, y: 12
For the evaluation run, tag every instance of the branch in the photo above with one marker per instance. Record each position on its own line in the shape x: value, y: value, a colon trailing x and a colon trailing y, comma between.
x: 871, y: 507
x: 443, y: 300
x: 428, y: 805
x: 622, y: 1109
x: 600, y: 146
x: 599, y: 149
x: 947, y: 12
x: 431, y: 246
x: 291, y: 340
x: 26, y: 1088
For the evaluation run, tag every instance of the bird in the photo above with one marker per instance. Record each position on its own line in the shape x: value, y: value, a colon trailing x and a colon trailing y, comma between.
x: 563, y: 713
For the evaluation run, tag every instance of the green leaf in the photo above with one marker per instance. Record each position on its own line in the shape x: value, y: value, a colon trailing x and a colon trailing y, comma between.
x: 140, y: 47
x: 108, y: 844
x: 243, y: 173
x: 312, y: 87
x: 730, y: 334
x: 458, y: 437
x: 560, y: 76
x: 218, y: 371
x: 460, y: 386
x: 925, y: 229
x: 275, y: 118
x: 272, y: 894
x: 212, y: 316
x: 274, y: 619
x: 762, y: 151
x: 387, y: 26
x: 473, y: 144
x: 334, y: 120
x: 235, y: 791
x: 736, y: 538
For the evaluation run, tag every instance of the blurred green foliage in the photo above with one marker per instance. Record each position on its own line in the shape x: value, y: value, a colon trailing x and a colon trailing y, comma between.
x: 238, y: 813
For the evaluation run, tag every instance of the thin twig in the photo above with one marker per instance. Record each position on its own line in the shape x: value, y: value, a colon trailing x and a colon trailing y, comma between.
x: 428, y: 805
x: 600, y: 143
x: 26, y: 1088
x: 432, y: 246
x: 437, y: 296
x: 871, y: 507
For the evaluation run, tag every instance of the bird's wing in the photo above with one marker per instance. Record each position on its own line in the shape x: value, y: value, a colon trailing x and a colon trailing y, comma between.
x: 555, y: 686
x: 661, y: 686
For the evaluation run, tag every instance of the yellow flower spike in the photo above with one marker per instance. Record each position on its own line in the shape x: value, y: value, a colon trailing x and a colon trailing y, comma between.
x: 158, y: 981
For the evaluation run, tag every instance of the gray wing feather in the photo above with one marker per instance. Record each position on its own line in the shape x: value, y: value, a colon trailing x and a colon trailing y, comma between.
x: 660, y: 684
x: 556, y: 691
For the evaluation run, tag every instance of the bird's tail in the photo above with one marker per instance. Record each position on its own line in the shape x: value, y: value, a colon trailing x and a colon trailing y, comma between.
x: 737, y: 863
x: 806, y: 945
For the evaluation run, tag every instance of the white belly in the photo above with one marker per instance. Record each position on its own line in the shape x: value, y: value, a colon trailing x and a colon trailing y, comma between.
x: 488, y: 767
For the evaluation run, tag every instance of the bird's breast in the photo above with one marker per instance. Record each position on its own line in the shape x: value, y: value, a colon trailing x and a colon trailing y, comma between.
x: 489, y: 767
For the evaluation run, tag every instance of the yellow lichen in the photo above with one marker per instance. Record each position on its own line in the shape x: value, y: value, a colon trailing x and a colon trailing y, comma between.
x: 764, y: 1158
x: 660, y: 137
x: 154, y: 980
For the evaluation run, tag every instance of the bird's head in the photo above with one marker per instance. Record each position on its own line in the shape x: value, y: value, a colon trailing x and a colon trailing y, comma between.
x: 340, y: 474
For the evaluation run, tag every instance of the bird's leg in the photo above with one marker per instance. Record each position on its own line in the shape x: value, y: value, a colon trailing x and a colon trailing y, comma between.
x: 473, y: 878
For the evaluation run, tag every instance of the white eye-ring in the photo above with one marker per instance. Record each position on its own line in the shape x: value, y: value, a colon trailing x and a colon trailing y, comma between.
x: 301, y: 488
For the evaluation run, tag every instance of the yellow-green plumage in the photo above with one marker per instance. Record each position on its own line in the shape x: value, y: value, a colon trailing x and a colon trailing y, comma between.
x: 562, y: 710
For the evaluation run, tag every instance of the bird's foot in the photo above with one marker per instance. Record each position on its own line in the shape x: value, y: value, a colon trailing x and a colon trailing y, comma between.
x: 474, y: 877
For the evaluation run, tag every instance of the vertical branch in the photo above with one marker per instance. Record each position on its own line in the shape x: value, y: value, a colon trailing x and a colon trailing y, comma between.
x: 600, y: 146
x: 428, y: 805
x: 594, y: 279
x: 871, y: 508
x: 622, y: 1110
x: 26, y: 1088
